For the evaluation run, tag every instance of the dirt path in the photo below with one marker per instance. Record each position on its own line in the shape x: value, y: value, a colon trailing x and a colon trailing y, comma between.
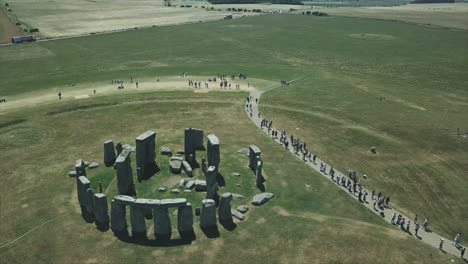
x: 427, y: 237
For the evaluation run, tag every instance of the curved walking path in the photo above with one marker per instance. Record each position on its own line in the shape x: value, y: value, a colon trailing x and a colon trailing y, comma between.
x: 427, y: 237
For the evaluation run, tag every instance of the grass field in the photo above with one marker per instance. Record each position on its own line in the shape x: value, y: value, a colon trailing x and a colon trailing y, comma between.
x: 343, y: 65
x: 7, y: 29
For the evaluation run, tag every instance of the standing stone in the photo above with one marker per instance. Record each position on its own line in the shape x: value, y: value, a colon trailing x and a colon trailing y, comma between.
x: 118, y: 148
x: 162, y: 223
x: 118, y: 219
x: 185, y: 221
x: 193, y: 140
x: 109, y: 153
x: 224, y: 212
x: 211, y: 183
x: 124, y: 173
x: 259, y: 179
x: 187, y: 168
x: 82, y: 185
x: 213, y: 151
x: 208, y: 214
x: 101, y: 211
x: 80, y: 168
x: 137, y: 218
x: 90, y: 202
x: 146, y: 155
x: 254, y: 152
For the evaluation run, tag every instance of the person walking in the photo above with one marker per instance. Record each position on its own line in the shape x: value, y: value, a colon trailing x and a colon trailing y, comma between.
x: 457, y: 239
x: 462, y: 253
x: 416, y: 229
x: 408, y: 226
x: 426, y: 223
x: 416, y: 219
x: 393, y: 218
x: 441, y: 244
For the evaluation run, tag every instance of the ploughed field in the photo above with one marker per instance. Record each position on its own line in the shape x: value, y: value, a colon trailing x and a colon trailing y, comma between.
x: 342, y: 67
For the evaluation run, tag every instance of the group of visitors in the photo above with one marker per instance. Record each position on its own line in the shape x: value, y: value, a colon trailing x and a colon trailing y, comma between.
x: 3, y: 100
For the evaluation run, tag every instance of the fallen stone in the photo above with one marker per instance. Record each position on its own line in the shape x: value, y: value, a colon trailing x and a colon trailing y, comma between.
x: 261, y: 198
x: 72, y: 174
x: 162, y: 189
x: 237, y: 214
x: 373, y: 150
x: 93, y: 165
x: 190, y: 185
x: 166, y: 151
x: 187, y: 191
x: 236, y: 174
x: 200, y: 186
x: 238, y: 185
x: 243, y: 208
x: 187, y: 168
x: 182, y: 183
x: 175, y: 191
x: 236, y: 196
x: 244, y: 151
x: 176, y: 165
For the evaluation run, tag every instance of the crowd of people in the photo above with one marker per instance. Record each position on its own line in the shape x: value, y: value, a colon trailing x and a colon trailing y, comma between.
x: 223, y: 81
x: 351, y: 182
x: 2, y: 100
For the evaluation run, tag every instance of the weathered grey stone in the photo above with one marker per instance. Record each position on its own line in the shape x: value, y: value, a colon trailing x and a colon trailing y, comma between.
x: 124, y: 173
x: 124, y: 199
x: 213, y: 151
x: 166, y: 151
x: 86, y: 163
x: 175, y: 191
x: 200, y: 186
x: 128, y: 147
x: 118, y: 148
x: 187, y: 168
x: 193, y: 140
x: 176, y: 202
x: 118, y: 219
x: 185, y: 220
x: 254, y: 152
x: 224, y: 210
x: 237, y: 196
x: 190, y: 185
x: 101, y: 211
x: 236, y: 174
x: 176, y: 164
x: 137, y: 220
x: 261, y: 198
x: 162, y: 223
x: 238, y: 185
x: 90, y: 202
x: 180, y: 152
x: 82, y: 184
x: 109, y: 153
x: 237, y: 214
x: 373, y: 150
x: 72, y: 174
x: 93, y: 165
x: 211, y: 183
x: 146, y: 155
x: 208, y: 214
x: 244, y: 151
x: 243, y: 208
x: 147, y: 206
x: 182, y: 183
x: 162, y: 189
x: 80, y: 168
x: 259, y: 179
x: 187, y: 191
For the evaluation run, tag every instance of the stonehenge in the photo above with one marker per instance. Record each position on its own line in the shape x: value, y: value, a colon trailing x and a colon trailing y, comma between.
x: 86, y: 202
x: 185, y: 221
x: 259, y: 179
x: 80, y: 168
x: 224, y: 210
x: 176, y: 164
x: 211, y: 183
x: 261, y: 198
x: 254, y: 152
x: 109, y: 153
x: 208, y: 214
x: 125, y: 173
x: 146, y: 155
x: 213, y: 151
x: 193, y: 140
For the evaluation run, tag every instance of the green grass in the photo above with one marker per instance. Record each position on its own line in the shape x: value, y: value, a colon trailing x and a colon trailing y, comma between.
x: 308, y: 219
x: 420, y: 162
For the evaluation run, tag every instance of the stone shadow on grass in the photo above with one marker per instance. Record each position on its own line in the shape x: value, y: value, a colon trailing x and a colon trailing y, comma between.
x: 229, y: 226
x: 220, y: 180
x: 142, y: 239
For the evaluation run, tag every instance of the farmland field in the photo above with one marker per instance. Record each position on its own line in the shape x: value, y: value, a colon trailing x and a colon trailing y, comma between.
x: 342, y: 67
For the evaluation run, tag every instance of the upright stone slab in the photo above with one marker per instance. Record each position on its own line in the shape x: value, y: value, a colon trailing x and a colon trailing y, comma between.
x: 254, y: 152
x: 124, y: 173
x: 224, y: 211
x: 137, y: 218
x: 213, y: 151
x: 118, y: 219
x: 82, y: 185
x: 101, y: 211
x: 208, y: 214
x: 146, y: 155
x: 162, y: 223
x: 90, y: 201
x: 109, y: 153
x: 185, y: 221
x: 118, y: 148
x: 193, y: 140
x: 211, y: 183
x: 259, y: 179
x: 80, y: 168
